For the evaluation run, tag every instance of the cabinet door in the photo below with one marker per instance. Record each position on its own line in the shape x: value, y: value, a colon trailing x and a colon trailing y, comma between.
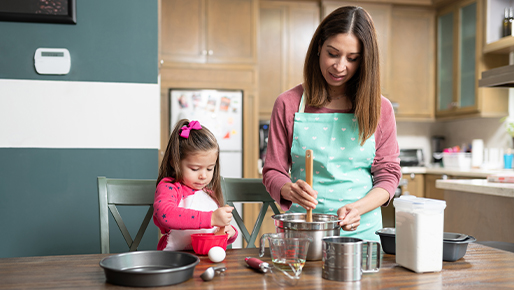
x: 286, y: 29
x: 183, y: 31
x: 415, y: 184
x: 231, y: 31
x: 445, y: 61
x: 381, y: 15
x: 430, y: 190
x: 412, y: 68
x: 467, y: 53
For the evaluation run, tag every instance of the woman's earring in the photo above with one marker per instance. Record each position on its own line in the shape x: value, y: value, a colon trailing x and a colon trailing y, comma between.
x: 318, y: 53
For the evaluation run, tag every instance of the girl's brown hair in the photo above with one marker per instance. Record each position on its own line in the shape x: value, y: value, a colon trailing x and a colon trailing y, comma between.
x: 363, y: 89
x: 179, y: 148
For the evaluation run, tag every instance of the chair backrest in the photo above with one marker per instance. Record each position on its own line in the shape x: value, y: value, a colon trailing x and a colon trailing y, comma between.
x: 113, y: 192
x: 247, y: 190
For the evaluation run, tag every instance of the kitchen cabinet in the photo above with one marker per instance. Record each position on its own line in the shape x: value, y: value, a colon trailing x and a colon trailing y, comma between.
x: 381, y: 14
x: 430, y: 189
x: 412, y: 64
x: 406, y: 40
x: 460, y: 61
x: 209, y: 31
x: 415, y: 184
x: 286, y: 29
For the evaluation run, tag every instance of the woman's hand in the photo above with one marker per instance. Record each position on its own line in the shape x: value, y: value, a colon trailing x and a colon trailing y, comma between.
x: 350, y: 217
x: 222, y: 216
x: 301, y: 193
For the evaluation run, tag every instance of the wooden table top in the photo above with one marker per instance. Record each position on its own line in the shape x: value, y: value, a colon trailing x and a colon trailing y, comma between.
x: 482, y: 267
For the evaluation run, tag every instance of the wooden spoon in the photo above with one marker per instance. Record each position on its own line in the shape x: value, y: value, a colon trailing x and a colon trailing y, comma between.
x: 308, y: 178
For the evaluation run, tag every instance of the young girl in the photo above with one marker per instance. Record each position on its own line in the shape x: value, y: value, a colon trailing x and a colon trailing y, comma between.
x: 188, y: 195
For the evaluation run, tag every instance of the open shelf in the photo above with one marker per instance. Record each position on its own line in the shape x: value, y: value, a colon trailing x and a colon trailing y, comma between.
x: 502, y: 46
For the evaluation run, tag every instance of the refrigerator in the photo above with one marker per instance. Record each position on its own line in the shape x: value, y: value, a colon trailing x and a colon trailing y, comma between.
x: 221, y: 111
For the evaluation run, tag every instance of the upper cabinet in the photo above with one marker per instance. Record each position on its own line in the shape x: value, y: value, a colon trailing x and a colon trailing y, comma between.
x: 285, y: 32
x: 412, y: 65
x: 460, y: 61
x: 406, y: 41
x: 209, y: 31
x: 381, y: 15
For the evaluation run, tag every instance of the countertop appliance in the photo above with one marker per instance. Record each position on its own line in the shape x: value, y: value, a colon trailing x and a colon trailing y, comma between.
x: 263, y: 140
x: 411, y: 157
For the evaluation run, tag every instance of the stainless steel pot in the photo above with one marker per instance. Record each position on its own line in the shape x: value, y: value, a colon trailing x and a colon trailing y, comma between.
x: 322, y: 225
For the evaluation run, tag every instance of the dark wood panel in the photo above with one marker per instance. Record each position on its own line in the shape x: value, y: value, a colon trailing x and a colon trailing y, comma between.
x: 486, y: 217
x: 482, y: 267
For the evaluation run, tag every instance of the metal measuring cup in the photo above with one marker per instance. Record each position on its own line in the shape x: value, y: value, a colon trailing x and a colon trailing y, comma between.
x: 342, y: 258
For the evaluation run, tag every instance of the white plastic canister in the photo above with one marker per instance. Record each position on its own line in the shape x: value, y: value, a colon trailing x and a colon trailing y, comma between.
x: 419, y: 233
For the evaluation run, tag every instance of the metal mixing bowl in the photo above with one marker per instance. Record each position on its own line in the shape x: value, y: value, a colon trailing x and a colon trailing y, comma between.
x: 295, y: 225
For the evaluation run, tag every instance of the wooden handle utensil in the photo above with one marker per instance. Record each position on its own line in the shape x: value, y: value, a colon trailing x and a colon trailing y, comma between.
x: 308, y: 178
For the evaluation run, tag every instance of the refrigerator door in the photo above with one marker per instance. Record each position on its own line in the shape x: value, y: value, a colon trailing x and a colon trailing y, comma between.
x: 221, y: 111
x: 231, y: 164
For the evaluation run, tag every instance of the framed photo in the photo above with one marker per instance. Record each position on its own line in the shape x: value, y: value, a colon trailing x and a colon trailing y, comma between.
x: 49, y: 11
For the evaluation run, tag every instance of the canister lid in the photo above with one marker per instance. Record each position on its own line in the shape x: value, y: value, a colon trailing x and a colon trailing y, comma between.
x: 411, y: 201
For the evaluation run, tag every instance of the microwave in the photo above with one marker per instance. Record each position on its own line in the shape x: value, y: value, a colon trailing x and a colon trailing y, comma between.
x: 411, y: 157
x: 263, y: 140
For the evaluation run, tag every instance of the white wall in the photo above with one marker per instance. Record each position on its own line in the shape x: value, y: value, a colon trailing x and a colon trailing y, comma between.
x: 70, y: 114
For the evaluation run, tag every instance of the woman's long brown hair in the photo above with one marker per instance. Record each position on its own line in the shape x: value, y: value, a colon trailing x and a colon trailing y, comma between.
x: 363, y: 89
x: 179, y: 148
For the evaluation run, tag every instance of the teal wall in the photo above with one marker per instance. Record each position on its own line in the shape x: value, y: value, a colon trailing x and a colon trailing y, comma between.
x: 48, y: 196
x: 49, y: 199
x: 113, y: 41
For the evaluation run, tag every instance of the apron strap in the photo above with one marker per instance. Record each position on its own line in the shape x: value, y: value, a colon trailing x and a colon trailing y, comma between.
x: 301, y: 108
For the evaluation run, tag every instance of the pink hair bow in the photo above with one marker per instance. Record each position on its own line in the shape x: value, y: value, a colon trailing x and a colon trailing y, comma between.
x: 193, y: 125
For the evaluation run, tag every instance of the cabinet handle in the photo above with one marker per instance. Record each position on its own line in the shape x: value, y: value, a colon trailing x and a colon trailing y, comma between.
x: 210, y: 52
x: 204, y: 52
x: 444, y: 177
x: 412, y: 176
x: 454, y: 105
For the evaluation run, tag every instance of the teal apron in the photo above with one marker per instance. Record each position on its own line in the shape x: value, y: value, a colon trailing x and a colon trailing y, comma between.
x: 342, y: 168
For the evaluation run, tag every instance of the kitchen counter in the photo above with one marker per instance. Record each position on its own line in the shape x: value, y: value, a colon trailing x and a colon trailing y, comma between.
x: 478, y: 173
x: 482, y: 267
x: 479, y: 208
x: 480, y: 186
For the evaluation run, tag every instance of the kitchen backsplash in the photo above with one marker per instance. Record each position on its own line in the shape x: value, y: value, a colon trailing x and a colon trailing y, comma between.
x: 418, y: 134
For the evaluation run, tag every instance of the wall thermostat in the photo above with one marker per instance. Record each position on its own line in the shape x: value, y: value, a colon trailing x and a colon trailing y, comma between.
x: 52, y: 61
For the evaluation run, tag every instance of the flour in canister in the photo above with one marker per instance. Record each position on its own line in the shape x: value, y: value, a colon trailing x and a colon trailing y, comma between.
x: 419, y: 235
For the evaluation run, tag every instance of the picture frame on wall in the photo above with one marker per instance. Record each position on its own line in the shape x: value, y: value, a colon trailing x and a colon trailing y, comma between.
x: 45, y: 11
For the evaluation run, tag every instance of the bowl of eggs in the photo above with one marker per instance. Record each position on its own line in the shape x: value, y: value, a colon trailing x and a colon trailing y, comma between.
x: 202, y: 243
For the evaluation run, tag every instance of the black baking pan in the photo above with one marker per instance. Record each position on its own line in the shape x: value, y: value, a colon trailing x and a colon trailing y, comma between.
x: 455, y: 245
x: 149, y: 268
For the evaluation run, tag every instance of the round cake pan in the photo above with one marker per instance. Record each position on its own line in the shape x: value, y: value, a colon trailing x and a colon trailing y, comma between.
x: 149, y: 268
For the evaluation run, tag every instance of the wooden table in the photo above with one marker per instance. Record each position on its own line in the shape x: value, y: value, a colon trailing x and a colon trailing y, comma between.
x: 482, y: 267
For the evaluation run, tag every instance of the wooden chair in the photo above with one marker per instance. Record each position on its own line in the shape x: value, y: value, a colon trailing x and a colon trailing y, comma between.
x: 113, y: 192
x: 247, y: 190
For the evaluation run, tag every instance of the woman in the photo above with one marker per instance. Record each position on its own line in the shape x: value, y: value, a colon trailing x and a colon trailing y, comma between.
x: 339, y: 113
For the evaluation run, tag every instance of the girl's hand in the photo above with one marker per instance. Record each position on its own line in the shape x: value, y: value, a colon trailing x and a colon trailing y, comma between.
x: 301, y: 193
x: 350, y: 217
x: 230, y: 231
x: 222, y: 216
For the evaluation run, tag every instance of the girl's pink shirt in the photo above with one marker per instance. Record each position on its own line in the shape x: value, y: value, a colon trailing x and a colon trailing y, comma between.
x: 385, y: 168
x: 169, y: 216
